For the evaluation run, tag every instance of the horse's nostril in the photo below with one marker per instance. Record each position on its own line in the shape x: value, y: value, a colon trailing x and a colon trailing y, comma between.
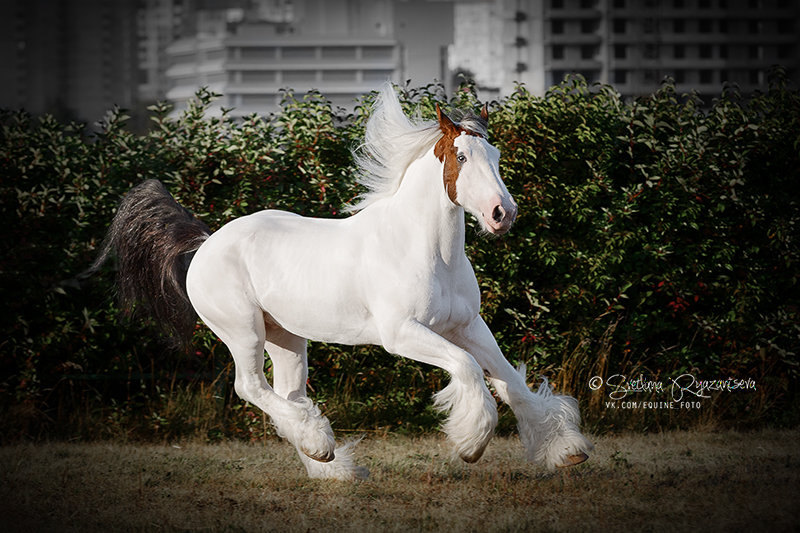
x: 498, y: 213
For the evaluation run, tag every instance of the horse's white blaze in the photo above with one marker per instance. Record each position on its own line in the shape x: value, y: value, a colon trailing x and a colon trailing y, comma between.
x: 479, y: 187
x: 394, y: 274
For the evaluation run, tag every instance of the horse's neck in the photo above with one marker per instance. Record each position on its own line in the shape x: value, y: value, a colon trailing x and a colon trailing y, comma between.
x: 431, y: 223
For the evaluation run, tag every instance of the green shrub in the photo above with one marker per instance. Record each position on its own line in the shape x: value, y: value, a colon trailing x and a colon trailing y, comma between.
x: 654, y: 236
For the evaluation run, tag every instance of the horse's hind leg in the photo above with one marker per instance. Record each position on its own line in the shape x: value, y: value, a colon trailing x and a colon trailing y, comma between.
x: 289, y: 362
x: 240, y: 325
x: 290, y: 371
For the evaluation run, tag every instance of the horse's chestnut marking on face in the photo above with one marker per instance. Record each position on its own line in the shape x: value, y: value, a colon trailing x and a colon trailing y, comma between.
x: 447, y: 153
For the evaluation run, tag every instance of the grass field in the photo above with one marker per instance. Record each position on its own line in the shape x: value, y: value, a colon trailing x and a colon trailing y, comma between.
x: 677, y: 481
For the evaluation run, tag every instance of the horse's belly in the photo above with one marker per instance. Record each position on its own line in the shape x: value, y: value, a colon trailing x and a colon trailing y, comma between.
x: 314, y: 316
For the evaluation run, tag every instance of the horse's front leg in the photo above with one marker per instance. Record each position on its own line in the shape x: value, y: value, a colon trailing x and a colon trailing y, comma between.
x: 548, y: 423
x: 472, y: 410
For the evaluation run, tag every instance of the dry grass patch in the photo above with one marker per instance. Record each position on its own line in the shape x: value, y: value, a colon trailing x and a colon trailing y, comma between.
x: 678, y: 480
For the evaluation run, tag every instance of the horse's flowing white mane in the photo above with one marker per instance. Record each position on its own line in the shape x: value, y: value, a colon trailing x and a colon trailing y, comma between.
x: 392, y: 142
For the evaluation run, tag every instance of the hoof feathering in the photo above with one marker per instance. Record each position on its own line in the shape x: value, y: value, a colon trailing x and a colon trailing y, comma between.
x: 343, y: 467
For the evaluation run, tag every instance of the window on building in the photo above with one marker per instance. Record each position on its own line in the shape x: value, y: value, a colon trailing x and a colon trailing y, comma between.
x: 620, y: 76
x: 704, y: 4
x: 557, y: 51
x: 754, y: 26
x: 704, y: 26
x: 339, y: 76
x: 557, y: 26
x: 339, y: 52
x: 377, y: 53
x: 706, y: 76
x: 754, y: 51
x: 589, y: 26
x: 258, y: 53
x: 258, y: 76
x: 723, y: 51
x: 619, y: 4
x: 649, y: 25
x: 650, y: 76
x: 299, y: 76
x: 299, y: 53
x: 588, y: 51
x: 619, y: 26
x: 705, y: 51
x: 679, y: 26
x: 679, y: 51
x: 620, y: 51
x: 755, y: 77
x: 786, y: 26
x: 650, y: 51
x: 785, y: 51
x: 558, y: 76
x: 722, y: 25
x: 680, y: 76
x: 678, y: 4
x: 588, y: 4
x: 557, y: 4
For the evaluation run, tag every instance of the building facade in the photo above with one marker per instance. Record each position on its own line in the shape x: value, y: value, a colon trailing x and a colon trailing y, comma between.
x: 343, y: 48
x: 74, y: 58
x: 630, y: 44
x: 79, y: 58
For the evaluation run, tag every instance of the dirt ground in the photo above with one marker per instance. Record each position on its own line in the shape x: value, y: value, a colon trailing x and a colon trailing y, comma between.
x: 676, y: 481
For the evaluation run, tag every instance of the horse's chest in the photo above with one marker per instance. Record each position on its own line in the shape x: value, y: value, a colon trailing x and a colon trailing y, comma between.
x: 453, y: 300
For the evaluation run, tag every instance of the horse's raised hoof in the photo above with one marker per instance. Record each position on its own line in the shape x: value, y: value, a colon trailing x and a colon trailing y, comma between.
x: 325, y: 457
x: 472, y: 457
x: 573, y: 460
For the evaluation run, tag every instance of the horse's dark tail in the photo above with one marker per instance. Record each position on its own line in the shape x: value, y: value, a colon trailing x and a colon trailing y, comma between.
x: 154, y: 239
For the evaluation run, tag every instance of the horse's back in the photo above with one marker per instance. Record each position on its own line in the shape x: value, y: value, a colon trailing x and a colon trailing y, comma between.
x: 271, y: 234
x: 298, y: 270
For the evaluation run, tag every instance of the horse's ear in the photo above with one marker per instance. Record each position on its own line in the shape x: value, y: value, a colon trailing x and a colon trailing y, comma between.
x: 485, y: 113
x: 445, y: 124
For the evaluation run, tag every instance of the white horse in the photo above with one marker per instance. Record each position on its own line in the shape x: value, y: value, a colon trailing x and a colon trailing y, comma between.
x: 395, y: 274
